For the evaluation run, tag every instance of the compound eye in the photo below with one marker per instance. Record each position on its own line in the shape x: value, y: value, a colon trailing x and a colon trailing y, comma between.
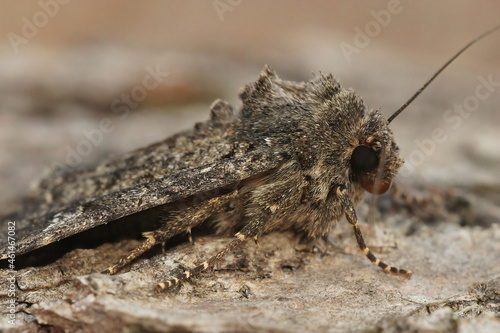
x: 363, y: 159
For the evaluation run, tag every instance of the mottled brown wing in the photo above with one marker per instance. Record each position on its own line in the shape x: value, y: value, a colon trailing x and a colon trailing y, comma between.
x: 204, y: 159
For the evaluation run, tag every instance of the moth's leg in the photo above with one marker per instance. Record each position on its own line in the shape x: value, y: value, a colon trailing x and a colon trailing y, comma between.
x: 182, y: 221
x: 249, y: 231
x: 190, y: 235
x: 266, y: 200
x: 350, y: 214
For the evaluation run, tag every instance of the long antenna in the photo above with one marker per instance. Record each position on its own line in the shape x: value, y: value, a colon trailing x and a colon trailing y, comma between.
x: 395, y: 114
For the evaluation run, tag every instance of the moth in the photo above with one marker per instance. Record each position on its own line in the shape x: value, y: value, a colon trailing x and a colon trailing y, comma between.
x: 298, y: 155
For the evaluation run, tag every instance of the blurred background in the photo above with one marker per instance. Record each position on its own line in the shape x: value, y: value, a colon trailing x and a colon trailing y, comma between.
x: 83, y: 80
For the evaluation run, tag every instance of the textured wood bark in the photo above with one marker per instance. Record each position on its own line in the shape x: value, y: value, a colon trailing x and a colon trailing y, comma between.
x: 281, y: 286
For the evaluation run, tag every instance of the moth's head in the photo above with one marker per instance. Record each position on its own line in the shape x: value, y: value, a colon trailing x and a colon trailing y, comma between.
x: 374, y: 165
x: 374, y: 159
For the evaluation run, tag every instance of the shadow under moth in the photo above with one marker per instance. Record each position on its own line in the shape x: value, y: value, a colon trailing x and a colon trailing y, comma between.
x: 298, y: 155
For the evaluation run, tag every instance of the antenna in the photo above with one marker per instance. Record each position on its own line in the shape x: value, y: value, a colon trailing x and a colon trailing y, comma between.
x: 419, y: 91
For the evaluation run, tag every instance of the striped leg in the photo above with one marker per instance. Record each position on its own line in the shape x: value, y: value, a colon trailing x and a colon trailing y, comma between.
x: 146, y: 245
x: 200, y: 268
x: 350, y: 214
x: 249, y: 231
x: 182, y: 221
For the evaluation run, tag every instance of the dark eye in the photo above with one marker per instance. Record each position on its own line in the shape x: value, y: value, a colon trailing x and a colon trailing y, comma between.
x: 363, y: 159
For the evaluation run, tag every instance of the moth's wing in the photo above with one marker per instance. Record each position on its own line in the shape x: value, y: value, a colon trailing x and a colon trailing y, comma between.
x: 196, y: 161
